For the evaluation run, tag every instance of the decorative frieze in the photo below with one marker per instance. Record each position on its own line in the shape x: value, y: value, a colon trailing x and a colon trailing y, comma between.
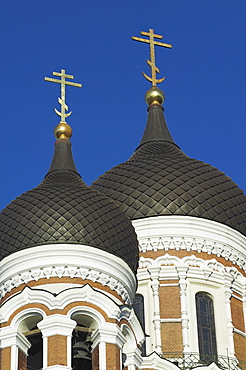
x: 194, y: 267
x: 86, y: 264
x: 191, y: 234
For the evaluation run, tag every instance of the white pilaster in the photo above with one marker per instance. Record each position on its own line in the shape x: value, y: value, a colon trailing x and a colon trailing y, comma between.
x: 182, y: 273
x: 56, y: 325
x: 9, y: 337
x: 230, y: 327
x: 154, y: 276
x: 107, y: 333
x: 102, y: 356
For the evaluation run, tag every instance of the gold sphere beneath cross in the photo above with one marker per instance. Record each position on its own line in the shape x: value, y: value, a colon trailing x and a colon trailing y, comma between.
x: 63, y: 131
x: 154, y: 96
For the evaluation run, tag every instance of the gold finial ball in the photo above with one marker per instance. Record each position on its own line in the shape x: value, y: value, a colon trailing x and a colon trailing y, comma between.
x: 63, y: 131
x: 154, y: 96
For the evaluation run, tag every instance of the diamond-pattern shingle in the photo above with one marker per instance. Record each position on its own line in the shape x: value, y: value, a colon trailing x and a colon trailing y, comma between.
x: 63, y: 209
x: 162, y: 180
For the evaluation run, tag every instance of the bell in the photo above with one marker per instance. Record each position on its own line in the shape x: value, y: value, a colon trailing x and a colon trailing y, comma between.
x: 81, y: 351
x: 88, y: 341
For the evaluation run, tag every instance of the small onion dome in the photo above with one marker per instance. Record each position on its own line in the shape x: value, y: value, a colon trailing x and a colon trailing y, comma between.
x: 159, y: 179
x: 63, y: 209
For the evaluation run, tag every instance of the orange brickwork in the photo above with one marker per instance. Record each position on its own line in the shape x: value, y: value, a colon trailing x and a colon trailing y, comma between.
x: 5, y: 356
x: 95, y: 358
x: 171, y: 337
x: 240, y: 347
x: 22, y: 360
x: 169, y: 302
x: 112, y: 357
x: 237, y: 313
x: 57, y: 350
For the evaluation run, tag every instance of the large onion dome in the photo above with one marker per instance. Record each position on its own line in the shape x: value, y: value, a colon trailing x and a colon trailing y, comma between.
x: 63, y: 209
x: 159, y: 179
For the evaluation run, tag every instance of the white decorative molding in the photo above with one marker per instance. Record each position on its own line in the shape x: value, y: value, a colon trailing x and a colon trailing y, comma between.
x: 240, y: 332
x: 9, y: 337
x: 156, y: 363
x: 171, y: 284
x: 57, y: 367
x: 56, y: 325
x: 67, y: 260
x: 61, y: 324
x: 191, y: 234
x: 171, y: 320
x: 108, y: 333
x: 134, y: 359
x: 60, y: 301
x: 208, y: 270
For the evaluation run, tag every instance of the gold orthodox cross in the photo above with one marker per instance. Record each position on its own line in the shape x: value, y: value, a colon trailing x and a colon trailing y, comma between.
x: 151, y: 62
x: 62, y: 99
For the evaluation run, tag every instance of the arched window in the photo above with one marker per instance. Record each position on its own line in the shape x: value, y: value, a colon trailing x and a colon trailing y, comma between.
x: 206, y: 328
x: 81, y: 342
x: 138, y: 305
x: 28, y: 327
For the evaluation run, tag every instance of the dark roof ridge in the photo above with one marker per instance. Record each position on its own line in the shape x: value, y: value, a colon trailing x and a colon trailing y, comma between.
x: 63, y: 157
x: 156, y: 128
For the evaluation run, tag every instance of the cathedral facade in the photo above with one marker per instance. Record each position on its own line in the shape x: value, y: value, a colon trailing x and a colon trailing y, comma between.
x: 145, y: 269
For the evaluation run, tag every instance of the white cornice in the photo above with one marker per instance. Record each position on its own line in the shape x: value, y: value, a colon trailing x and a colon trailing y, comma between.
x: 156, y: 363
x: 69, y: 260
x: 191, y: 234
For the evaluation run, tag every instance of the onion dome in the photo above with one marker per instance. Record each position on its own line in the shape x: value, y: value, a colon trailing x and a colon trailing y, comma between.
x: 63, y: 209
x: 159, y: 179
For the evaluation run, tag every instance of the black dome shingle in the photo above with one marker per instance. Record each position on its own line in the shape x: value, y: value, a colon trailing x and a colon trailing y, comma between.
x: 63, y: 209
x: 159, y: 179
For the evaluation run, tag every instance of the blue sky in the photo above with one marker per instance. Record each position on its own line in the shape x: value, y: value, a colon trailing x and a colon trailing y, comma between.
x: 205, y: 84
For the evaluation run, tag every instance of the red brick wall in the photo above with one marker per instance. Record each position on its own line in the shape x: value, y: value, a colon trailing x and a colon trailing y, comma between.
x: 5, y: 355
x: 171, y: 337
x: 237, y: 313
x: 95, y: 358
x: 240, y: 347
x: 22, y: 360
x: 112, y: 357
x: 169, y: 302
x: 57, y: 350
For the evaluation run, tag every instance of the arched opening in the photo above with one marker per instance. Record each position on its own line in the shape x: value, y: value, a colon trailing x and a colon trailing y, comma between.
x: 129, y: 346
x: 206, y: 328
x: 138, y: 305
x: 28, y: 327
x: 81, y: 341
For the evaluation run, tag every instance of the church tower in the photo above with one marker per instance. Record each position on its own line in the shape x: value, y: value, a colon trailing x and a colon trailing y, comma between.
x: 67, y: 272
x: 190, y: 219
x: 143, y: 270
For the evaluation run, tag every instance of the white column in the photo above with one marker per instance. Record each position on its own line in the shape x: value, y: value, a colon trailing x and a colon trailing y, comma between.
x: 154, y: 276
x: 182, y: 273
x: 9, y: 337
x: 230, y: 327
x: 14, y: 357
x: 56, y: 325
x: 102, y: 356
x: 107, y: 333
